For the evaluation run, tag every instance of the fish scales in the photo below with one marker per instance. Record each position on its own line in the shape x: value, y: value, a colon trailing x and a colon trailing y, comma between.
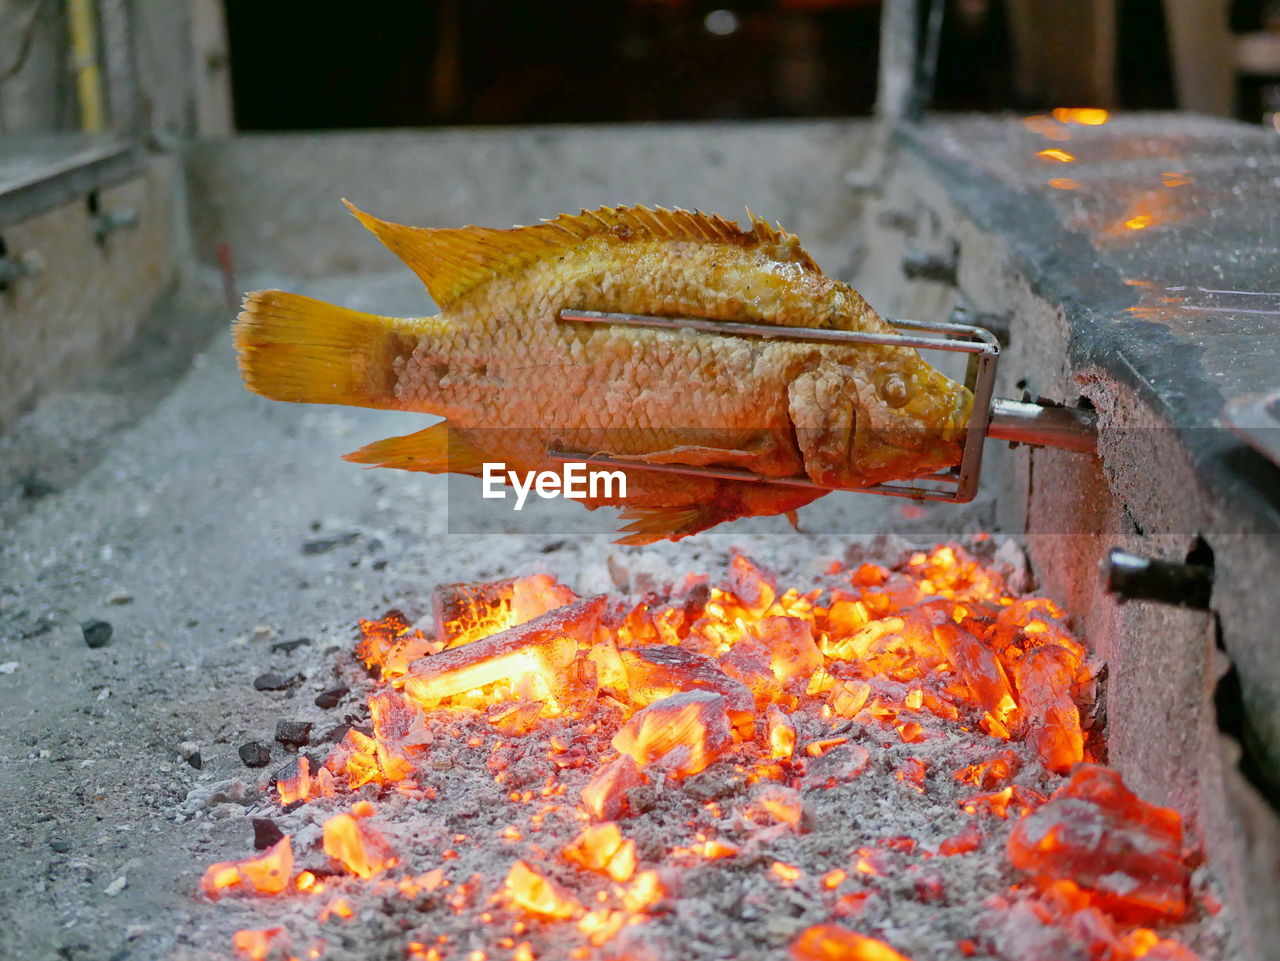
x: 512, y: 380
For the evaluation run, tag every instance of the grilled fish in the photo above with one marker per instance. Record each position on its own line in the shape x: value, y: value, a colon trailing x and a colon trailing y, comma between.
x: 512, y: 381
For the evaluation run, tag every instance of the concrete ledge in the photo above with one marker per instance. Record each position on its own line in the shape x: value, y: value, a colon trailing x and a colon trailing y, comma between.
x: 38, y: 174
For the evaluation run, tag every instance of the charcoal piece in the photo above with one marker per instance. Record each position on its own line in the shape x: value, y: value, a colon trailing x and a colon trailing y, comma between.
x: 336, y: 734
x: 62, y: 847
x: 255, y: 754
x: 290, y: 770
x: 330, y: 698
x: 195, y: 760
x: 294, y: 733
x: 271, y: 681
x: 33, y: 488
x: 325, y: 544
x: 97, y: 633
x: 288, y: 647
x: 265, y: 833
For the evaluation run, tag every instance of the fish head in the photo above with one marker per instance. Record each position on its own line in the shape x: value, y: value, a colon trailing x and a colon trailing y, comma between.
x: 911, y: 420
x: 862, y: 424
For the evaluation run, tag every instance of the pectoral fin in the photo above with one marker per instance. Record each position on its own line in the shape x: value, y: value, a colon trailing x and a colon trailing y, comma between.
x: 439, y: 449
x: 650, y: 524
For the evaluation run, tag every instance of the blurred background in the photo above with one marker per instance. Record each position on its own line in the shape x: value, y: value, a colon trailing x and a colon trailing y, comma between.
x: 288, y: 65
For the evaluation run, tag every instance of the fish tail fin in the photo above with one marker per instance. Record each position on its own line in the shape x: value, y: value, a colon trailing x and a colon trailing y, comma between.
x: 297, y: 349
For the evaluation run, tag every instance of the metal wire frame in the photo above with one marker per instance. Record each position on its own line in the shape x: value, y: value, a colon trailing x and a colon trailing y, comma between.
x: 956, y: 485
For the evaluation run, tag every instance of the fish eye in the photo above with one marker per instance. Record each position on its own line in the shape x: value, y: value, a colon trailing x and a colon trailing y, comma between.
x: 893, y: 390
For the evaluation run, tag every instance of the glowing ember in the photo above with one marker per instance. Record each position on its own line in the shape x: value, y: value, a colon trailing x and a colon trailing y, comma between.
x: 268, y: 873
x: 682, y: 733
x: 533, y: 659
x: 357, y: 846
x: 601, y: 848
x: 468, y: 612
x: 539, y: 895
x: 617, y: 755
x: 830, y: 942
x: 1098, y: 834
x: 782, y: 734
x: 1086, y: 116
x: 256, y: 945
x: 605, y: 795
x: 1053, y: 153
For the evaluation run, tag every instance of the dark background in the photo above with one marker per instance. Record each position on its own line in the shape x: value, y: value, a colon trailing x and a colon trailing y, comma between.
x: 388, y: 64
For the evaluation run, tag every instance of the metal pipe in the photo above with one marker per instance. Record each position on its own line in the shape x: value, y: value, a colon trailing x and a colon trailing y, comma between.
x: 1067, y: 428
x: 1134, y: 578
x: 899, y: 49
x: 84, y: 60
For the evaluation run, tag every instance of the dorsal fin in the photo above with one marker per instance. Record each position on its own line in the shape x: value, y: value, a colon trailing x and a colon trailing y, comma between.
x: 452, y: 261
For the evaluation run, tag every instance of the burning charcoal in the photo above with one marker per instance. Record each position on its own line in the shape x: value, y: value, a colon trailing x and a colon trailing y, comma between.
x: 841, y: 763
x: 751, y: 585
x: 991, y: 772
x: 793, y: 655
x: 536, y: 654
x: 605, y: 795
x: 360, y: 848
x: 1060, y: 922
x: 265, y: 833
x: 748, y: 663
x: 97, y: 633
x: 331, y: 698
x: 294, y: 733
x: 261, y: 942
x: 271, y: 681
x: 982, y: 671
x: 1096, y: 832
x: 268, y: 873
x: 325, y: 544
x: 931, y: 886
x: 783, y: 804
x: 682, y: 733
x: 288, y: 647
x: 1051, y: 720
x: 782, y: 734
x: 336, y: 734
x: 467, y: 612
x: 539, y: 895
x: 392, y: 644
x: 303, y: 779
x: 660, y: 670
x: 255, y: 754
x: 830, y: 942
x: 602, y: 848
x: 969, y: 839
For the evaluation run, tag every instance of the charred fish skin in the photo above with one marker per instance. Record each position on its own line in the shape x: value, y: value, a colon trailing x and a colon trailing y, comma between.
x: 512, y: 380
